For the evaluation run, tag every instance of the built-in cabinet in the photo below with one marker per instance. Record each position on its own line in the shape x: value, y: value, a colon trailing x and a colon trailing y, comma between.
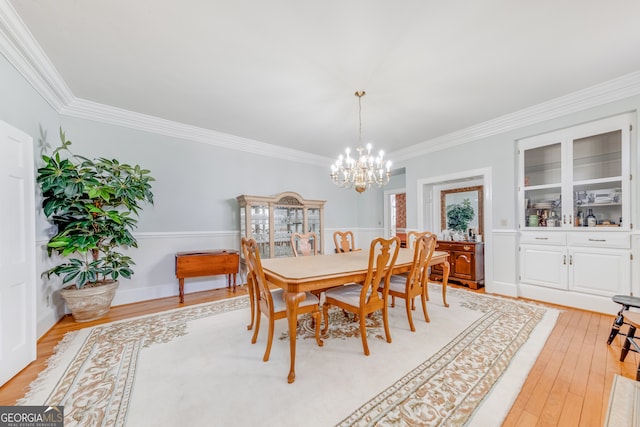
x: 580, y: 262
x: 575, y: 208
x: 271, y: 220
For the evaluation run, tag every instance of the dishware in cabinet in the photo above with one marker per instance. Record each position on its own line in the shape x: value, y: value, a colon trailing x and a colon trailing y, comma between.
x: 271, y: 220
x: 577, y: 177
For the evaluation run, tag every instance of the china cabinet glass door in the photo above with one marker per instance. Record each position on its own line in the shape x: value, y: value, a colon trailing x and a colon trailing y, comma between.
x: 313, y: 225
x: 577, y: 177
x: 260, y: 229
x: 543, y: 185
x: 287, y: 220
x: 598, y: 180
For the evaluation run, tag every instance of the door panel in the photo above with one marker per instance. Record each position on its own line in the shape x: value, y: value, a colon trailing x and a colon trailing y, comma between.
x: 17, y: 257
x: 600, y: 271
x: 544, y: 266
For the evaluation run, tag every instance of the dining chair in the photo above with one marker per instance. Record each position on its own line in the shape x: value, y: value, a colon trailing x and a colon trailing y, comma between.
x: 411, y: 238
x: 271, y: 303
x: 250, y: 284
x: 304, y: 244
x: 344, y: 241
x: 370, y: 296
x: 415, y: 283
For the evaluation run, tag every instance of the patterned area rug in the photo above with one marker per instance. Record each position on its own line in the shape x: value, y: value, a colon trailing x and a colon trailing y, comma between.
x: 196, y: 366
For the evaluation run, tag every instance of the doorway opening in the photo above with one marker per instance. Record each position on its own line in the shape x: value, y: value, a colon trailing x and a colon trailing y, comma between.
x: 396, y: 214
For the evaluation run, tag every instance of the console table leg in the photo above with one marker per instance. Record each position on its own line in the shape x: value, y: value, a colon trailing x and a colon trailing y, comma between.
x: 445, y: 280
x: 181, y: 282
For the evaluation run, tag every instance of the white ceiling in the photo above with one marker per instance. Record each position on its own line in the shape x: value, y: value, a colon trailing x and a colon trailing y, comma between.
x: 284, y: 72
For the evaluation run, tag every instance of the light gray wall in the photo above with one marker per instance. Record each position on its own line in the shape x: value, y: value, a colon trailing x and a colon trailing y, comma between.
x: 197, y: 184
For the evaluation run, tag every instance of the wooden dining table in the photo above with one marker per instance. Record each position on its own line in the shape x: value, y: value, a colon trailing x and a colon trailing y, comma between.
x: 297, y: 275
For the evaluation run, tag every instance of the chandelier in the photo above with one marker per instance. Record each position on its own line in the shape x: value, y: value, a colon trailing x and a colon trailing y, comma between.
x: 363, y: 171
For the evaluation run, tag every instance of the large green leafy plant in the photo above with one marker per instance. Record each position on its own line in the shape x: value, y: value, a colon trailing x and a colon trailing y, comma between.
x: 94, y: 205
x: 459, y: 215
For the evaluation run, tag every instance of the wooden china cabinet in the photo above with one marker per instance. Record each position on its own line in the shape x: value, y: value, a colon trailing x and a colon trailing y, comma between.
x: 466, y: 260
x: 271, y: 220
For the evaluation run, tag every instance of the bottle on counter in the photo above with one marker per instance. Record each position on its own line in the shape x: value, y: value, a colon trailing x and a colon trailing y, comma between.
x: 579, y: 219
x: 591, y: 219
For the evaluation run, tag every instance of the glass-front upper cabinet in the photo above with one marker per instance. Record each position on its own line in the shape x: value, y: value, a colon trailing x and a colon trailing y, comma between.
x: 577, y: 177
x: 272, y: 221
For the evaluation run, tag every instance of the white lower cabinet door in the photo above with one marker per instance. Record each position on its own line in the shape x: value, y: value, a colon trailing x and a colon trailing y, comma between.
x: 600, y: 271
x: 544, y: 265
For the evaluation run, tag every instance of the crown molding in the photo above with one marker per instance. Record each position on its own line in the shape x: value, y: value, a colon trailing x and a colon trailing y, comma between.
x: 90, y: 110
x: 25, y: 54
x: 609, y: 91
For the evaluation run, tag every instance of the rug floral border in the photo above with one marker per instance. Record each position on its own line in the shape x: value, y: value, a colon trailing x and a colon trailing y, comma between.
x: 448, y: 387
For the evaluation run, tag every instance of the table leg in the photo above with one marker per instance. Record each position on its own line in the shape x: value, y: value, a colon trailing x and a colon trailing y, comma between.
x: 181, y: 289
x: 292, y: 300
x: 234, y: 283
x: 445, y: 279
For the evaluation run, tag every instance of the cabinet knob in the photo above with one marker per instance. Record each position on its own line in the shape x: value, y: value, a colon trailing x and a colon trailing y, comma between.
x: 466, y: 248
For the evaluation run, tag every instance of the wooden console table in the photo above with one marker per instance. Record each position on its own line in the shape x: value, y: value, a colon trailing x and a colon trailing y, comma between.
x: 467, y: 263
x: 207, y: 263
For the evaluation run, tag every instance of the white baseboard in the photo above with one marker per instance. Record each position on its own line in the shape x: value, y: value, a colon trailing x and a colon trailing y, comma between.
x: 502, y: 288
x: 595, y: 303
x: 128, y: 296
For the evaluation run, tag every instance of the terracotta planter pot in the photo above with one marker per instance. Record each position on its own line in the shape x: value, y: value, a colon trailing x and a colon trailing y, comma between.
x: 89, y: 303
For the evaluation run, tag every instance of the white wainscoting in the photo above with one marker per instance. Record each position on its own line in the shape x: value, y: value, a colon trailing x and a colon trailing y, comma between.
x: 635, y: 263
x: 504, y: 260
x: 154, y: 272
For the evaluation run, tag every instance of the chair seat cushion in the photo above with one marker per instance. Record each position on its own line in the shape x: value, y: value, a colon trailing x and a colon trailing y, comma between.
x: 398, y: 284
x: 279, y: 303
x: 348, y: 294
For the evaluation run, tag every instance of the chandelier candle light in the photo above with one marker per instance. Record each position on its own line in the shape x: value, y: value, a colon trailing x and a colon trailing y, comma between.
x: 360, y: 173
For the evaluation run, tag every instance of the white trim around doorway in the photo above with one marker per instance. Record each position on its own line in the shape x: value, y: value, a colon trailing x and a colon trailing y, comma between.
x: 485, y: 176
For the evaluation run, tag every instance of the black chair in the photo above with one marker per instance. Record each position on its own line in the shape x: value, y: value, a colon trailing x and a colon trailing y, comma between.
x: 626, y: 301
x: 633, y: 320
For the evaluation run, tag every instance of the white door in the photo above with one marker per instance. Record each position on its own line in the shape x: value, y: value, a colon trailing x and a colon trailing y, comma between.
x: 17, y: 252
x: 543, y: 265
x: 600, y: 271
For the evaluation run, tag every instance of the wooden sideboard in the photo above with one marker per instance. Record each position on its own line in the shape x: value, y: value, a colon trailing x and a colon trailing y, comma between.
x: 466, y: 260
x: 207, y: 263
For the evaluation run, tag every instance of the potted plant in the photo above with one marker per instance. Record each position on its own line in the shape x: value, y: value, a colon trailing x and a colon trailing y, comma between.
x: 459, y: 215
x: 93, y: 205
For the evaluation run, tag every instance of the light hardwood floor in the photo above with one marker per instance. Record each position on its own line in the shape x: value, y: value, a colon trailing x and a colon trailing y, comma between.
x: 569, y: 384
